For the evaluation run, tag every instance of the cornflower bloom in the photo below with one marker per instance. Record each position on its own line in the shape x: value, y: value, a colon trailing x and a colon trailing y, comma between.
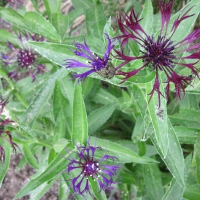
x: 89, y: 168
x: 23, y: 59
x: 6, y: 135
x: 160, y: 52
x: 101, y: 66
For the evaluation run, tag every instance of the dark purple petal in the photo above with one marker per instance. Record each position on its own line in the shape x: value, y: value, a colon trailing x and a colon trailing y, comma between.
x: 191, y: 67
x: 156, y: 87
x: 178, y: 21
x: 192, y: 56
x: 165, y: 8
x: 179, y: 82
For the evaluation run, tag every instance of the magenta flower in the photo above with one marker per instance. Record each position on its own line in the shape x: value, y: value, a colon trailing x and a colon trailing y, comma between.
x: 94, y: 63
x: 89, y: 168
x: 160, y: 53
x: 6, y: 135
x: 23, y: 59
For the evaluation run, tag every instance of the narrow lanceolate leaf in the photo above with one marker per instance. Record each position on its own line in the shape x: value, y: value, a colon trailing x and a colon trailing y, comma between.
x: 197, y: 157
x: 29, y: 156
x: 186, y: 117
x: 175, y: 190
x: 12, y: 17
x: 79, y: 119
x: 4, y: 166
x: 158, y: 116
x: 192, y: 192
x: 42, y: 97
x: 60, y: 102
x: 95, y: 20
x: 153, y: 181
x: 61, y: 23
x: 36, y: 23
x: 147, y: 17
x: 40, y: 191
x: 98, y: 117
x: 174, y: 159
x: 56, y: 166
x: 124, y: 154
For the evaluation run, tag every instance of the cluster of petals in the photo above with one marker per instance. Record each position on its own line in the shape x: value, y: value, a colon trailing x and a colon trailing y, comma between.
x: 160, y: 52
x: 94, y: 63
x: 22, y: 58
x: 87, y: 167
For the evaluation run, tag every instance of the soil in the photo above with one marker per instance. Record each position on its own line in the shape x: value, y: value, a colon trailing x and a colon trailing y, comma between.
x: 15, y: 180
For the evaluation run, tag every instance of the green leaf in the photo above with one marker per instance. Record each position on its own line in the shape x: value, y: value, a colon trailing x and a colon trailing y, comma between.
x: 124, y: 154
x: 174, y: 159
x: 99, y: 116
x: 29, y: 156
x: 190, y: 101
x: 147, y: 17
x: 4, y: 166
x: 12, y: 17
x: 60, y: 145
x: 104, y: 97
x: 188, y: 118
x: 95, y: 188
x: 95, y: 20
x: 60, y: 102
x: 35, y: 4
x: 153, y: 181
x: 175, y: 190
x: 51, y: 7
x: 192, y: 192
x: 42, y: 97
x: 36, y: 23
x: 56, y: 166
x: 79, y: 119
x: 41, y: 190
x: 61, y: 23
x: 197, y: 158
x: 186, y: 135
x: 158, y: 116
x: 84, y: 4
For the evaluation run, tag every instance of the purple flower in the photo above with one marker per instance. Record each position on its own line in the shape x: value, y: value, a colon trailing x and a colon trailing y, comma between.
x: 160, y: 53
x: 89, y: 168
x: 94, y: 63
x: 23, y: 59
x: 6, y: 135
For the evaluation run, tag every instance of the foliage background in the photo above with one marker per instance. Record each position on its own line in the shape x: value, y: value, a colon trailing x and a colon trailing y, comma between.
x: 159, y: 148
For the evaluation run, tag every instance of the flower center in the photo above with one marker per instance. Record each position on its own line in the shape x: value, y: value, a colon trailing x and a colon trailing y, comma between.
x: 25, y: 58
x: 90, y: 168
x: 159, y: 53
x: 108, y: 71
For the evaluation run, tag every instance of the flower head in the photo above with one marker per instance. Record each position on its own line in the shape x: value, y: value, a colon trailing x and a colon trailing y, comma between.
x: 94, y: 63
x: 5, y: 135
x: 160, y: 53
x: 89, y: 168
x: 23, y: 59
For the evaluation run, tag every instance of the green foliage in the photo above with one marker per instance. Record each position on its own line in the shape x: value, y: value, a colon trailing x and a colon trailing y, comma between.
x: 158, y: 148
